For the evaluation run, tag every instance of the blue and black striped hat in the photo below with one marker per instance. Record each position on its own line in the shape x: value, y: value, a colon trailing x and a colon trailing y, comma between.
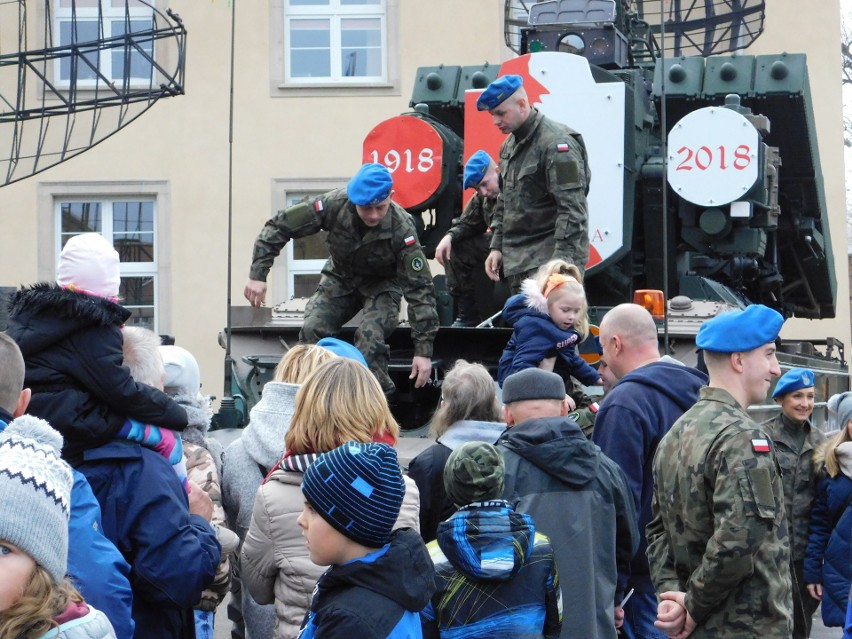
x: 358, y: 489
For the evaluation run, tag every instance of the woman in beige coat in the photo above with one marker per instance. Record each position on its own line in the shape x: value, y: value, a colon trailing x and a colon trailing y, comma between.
x: 341, y: 401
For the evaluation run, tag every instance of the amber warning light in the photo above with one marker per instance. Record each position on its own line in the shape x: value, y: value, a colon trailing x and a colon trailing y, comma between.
x: 652, y: 301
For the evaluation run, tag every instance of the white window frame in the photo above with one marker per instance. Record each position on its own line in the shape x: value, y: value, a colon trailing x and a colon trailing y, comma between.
x: 63, y: 14
x: 53, y: 194
x: 336, y: 13
x: 281, y: 86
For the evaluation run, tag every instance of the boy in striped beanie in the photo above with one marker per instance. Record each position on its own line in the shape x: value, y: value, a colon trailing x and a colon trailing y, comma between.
x: 379, y: 578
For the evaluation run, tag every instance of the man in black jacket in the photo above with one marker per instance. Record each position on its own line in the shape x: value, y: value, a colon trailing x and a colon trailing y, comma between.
x: 577, y: 496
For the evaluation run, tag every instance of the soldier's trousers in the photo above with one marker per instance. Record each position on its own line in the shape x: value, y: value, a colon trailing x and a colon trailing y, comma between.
x: 467, y: 259
x: 325, y: 314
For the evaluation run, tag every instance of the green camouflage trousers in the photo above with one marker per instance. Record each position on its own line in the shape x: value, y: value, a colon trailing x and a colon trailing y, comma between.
x: 468, y: 258
x: 325, y: 314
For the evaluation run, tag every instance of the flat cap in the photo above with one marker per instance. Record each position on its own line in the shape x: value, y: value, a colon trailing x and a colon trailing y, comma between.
x: 532, y: 383
x: 476, y: 168
x: 496, y: 92
x: 370, y: 185
x: 740, y: 330
x: 793, y: 380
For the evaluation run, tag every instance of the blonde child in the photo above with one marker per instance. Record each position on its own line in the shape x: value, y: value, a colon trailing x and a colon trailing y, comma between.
x: 549, y: 318
x: 36, y: 599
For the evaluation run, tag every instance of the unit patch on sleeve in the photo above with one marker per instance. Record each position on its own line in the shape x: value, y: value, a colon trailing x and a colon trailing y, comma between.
x: 417, y: 263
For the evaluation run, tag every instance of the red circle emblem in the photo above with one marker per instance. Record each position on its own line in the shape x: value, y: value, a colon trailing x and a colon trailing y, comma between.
x: 412, y: 150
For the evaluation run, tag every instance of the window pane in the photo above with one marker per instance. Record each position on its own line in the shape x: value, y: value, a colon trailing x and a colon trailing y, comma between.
x: 80, y: 217
x: 305, y: 285
x: 309, y: 34
x: 362, y: 52
x: 310, y: 64
x: 138, y: 64
x: 137, y: 294
x: 311, y: 248
x: 86, y: 31
x: 133, y: 231
x: 310, y: 49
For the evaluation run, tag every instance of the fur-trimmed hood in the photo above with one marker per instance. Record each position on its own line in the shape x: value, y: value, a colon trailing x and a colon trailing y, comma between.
x: 843, y: 454
x: 535, y: 298
x: 46, y: 313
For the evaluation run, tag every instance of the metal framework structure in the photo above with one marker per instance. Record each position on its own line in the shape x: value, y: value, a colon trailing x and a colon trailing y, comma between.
x: 95, y: 67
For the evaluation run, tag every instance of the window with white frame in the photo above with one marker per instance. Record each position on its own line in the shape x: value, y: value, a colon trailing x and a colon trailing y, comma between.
x: 130, y: 225
x: 341, y: 41
x: 305, y: 256
x: 83, y: 22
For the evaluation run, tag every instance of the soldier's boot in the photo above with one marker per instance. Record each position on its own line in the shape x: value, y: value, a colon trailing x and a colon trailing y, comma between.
x: 379, y: 368
x: 468, y: 315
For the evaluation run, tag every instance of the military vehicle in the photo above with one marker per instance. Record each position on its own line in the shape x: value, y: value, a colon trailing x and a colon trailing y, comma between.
x: 706, y: 189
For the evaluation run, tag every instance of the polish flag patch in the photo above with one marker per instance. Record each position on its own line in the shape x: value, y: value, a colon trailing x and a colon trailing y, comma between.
x: 562, y: 148
x: 594, y: 407
x: 318, y: 207
x: 760, y: 445
x: 410, y: 240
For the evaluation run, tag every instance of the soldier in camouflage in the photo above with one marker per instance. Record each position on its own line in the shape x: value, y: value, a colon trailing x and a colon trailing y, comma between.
x: 375, y: 260
x: 542, y: 212
x: 718, y: 545
x: 462, y: 251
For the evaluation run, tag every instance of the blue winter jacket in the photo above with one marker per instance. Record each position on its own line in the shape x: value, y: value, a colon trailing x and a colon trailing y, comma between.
x: 632, y: 419
x: 95, y: 566
x: 828, y: 557
x: 535, y: 338
x: 172, y: 554
x: 377, y: 596
x: 496, y: 577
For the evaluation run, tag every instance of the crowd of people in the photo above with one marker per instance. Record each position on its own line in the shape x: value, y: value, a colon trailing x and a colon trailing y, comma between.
x: 665, y: 512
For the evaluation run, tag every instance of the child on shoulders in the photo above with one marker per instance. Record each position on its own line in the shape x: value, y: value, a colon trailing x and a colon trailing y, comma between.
x: 550, y: 319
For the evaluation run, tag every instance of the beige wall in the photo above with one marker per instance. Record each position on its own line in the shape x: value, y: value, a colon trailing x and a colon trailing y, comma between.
x: 183, y: 143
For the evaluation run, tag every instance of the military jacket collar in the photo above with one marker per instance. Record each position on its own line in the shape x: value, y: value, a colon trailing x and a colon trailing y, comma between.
x: 786, y: 433
x: 383, y: 231
x: 526, y: 130
x: 710, y: 393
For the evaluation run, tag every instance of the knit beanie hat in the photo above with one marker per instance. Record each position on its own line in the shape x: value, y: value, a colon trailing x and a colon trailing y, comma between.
x: 90, y: 263
x: 841, y: 406
x: 358, y: 489
x: 35, y: 493
x: 182, y: 374
x: 474, y: 472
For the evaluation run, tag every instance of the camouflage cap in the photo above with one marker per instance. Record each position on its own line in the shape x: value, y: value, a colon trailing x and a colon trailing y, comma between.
x: 474, y: 472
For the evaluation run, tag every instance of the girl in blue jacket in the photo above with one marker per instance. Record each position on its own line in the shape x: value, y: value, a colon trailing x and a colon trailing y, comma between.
x: 550, y: 318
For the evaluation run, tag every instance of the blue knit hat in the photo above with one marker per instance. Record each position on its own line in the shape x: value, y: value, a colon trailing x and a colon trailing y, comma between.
x: 498, y: 91
x: 370, y: 185
x: 475, y: 169
x: 358, y: 489
x: 35, y: 493
x: 740, y: 330
x: 793, y: 380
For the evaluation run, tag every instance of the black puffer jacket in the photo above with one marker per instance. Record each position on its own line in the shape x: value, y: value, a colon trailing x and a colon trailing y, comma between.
x: 71, y: 344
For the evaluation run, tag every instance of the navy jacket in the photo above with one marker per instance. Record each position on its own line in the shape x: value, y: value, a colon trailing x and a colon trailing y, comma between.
x: 496, y: 577
x: 631, y: 421
x: 72, y: 347
x: 828, y: 557
x: 535, y: 338
x: 375, y: 597
x: 172, y: 554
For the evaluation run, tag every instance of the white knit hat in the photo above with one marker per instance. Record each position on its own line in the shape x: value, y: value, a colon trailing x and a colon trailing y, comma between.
x: 89, y: 262
x: 182, y: 374
x: 35, y: 493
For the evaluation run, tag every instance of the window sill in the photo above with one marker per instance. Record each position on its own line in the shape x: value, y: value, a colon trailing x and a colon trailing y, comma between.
x: 336, y: 89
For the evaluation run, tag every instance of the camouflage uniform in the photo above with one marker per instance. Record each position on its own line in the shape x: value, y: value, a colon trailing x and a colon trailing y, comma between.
x: 719, y: 532
x: 795, y: 444
x: 471, y: 234
x: 368, y: 269
x: 541, y: 213
x: 201, y: 469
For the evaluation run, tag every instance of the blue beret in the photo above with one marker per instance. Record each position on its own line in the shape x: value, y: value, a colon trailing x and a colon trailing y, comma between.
x: 740, y: 330
x: 342, y: 349
x: 793, y: 380
x: 370, y: 185
x: 496, y: 92
x: 476, y: 168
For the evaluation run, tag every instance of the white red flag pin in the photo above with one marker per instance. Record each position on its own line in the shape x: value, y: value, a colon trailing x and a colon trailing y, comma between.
x: 410, y: 240
x: 760, y: 445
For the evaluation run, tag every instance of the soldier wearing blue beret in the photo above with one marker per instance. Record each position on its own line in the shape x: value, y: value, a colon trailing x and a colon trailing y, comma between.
x: 541, y: 213
x: 796, y: 440
x: 718, y: 545
x: 462, y: 251
x: 375, y: 258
